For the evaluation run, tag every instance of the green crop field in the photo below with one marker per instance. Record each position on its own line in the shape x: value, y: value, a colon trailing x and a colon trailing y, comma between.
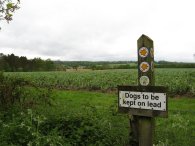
x: 46, y: 115
x: 178, y: 81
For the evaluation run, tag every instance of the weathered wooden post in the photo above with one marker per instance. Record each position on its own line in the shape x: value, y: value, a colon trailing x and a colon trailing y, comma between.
x: 144, y: 101
x: 145, y: 78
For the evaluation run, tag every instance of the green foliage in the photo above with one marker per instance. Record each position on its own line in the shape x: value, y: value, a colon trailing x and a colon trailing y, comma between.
x: 166, y: 64
x: 14, y: 63
x: 85, y: 129
x: 22, y: 126
x: 17, y: 90
x: 63, y: 128
x: 24, y: 130
x: 177, y: 130
x: 178, y: 81
x: 7, y: 8
x: 92, y: 64
x: 10, y: 90
x: 9, y: 5
x: 88, y: 118
x: 103, y: 65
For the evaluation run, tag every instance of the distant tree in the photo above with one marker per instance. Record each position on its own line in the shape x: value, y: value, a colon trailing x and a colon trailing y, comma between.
x: 12, y: 61
x: 38, y: 64
x: 49, y: 65
x: 7, y: 8
x: 93, y: 67
x: 2, y: 62
x: 75, y: 66
x: 23, y: 63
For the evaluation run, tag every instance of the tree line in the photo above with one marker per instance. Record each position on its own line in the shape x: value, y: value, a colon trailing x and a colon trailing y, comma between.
x: 103, y: 65
x: 12, y: 63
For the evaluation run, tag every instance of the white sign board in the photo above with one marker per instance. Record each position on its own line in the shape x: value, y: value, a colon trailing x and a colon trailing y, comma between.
x: 143, y: 100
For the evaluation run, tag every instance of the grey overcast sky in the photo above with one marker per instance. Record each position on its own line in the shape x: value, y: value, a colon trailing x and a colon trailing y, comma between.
x: 99, y: 30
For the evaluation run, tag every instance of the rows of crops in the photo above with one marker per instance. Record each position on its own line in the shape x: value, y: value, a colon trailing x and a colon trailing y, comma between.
x: 178, y: 81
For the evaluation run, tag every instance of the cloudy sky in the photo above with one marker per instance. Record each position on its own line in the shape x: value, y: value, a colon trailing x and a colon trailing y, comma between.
x: 100, y: 30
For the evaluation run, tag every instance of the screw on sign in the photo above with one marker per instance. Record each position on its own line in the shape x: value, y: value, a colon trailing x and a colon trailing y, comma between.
x: 143, y: 52
x: 144, y: 66
x: 144, y: 80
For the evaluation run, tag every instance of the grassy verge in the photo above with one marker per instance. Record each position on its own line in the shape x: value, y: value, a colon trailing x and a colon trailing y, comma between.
x: 179, y: 128
x: 91, y: 118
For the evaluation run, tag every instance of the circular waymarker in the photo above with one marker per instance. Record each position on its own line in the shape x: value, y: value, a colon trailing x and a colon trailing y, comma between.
x: 144, y: 66
x: 144, y: 80
x: 143, y: 52
x: 152, y: 52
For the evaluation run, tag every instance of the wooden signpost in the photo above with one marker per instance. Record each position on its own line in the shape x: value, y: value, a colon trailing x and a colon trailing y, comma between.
x: 145, y: 101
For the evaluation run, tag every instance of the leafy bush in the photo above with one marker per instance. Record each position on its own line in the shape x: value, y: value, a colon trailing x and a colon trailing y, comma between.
x: 18, y: 90
x: 10, y: 89
x: 23, y: 130
x: 32, y: 128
